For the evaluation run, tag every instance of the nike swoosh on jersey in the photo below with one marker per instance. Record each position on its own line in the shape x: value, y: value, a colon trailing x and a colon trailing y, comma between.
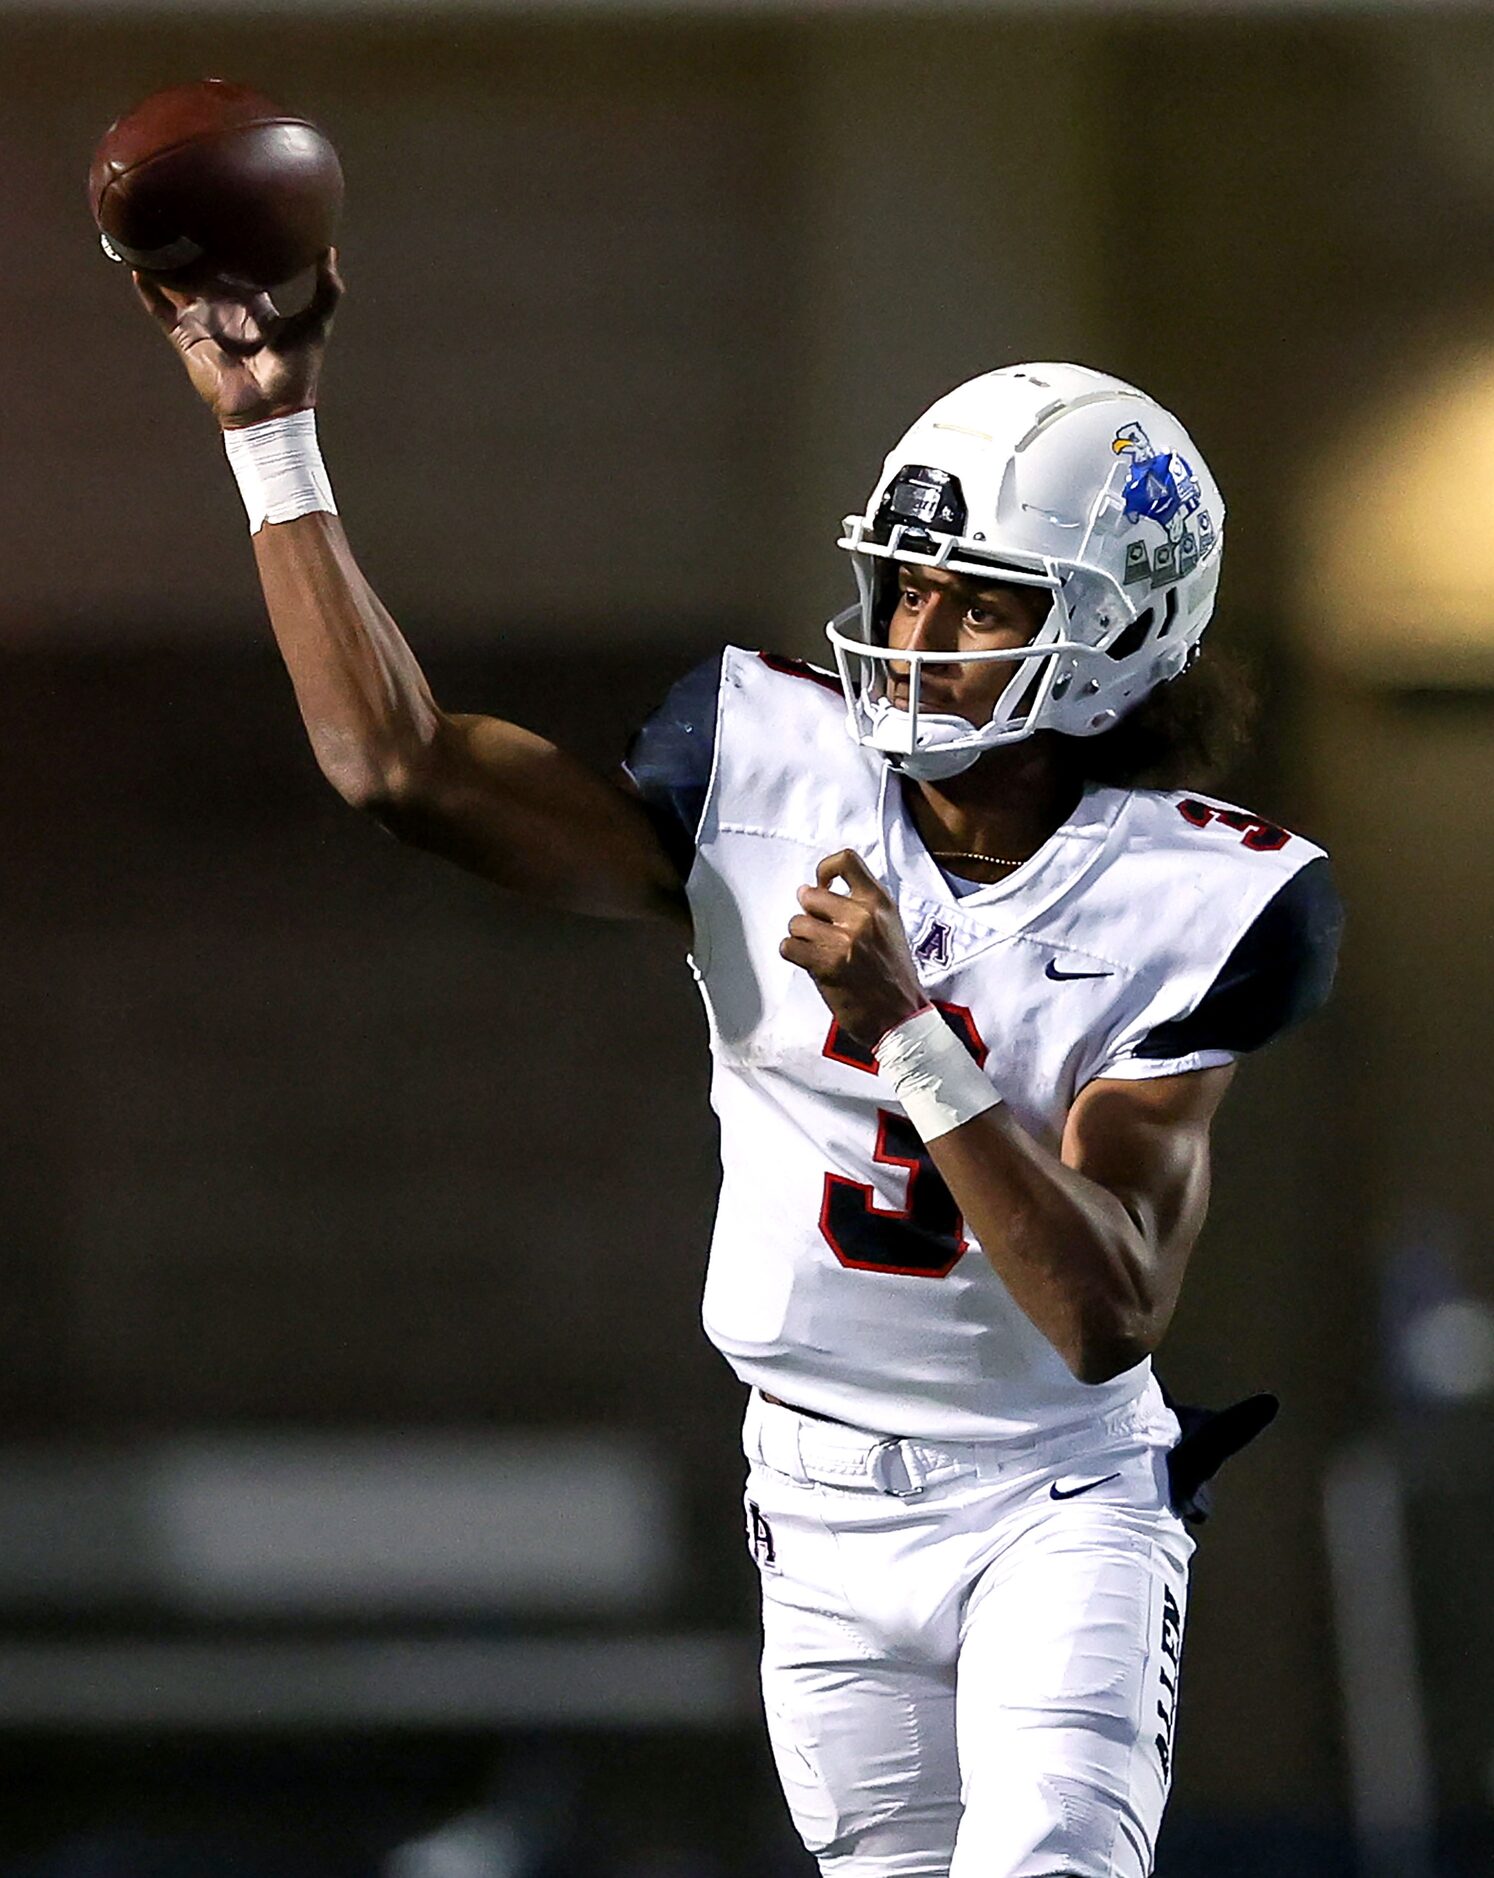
x: 1052, y: 971
x: 1055, y: 1492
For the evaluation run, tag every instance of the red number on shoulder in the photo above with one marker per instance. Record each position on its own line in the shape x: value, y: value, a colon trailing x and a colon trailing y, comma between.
x: 1261, y: 837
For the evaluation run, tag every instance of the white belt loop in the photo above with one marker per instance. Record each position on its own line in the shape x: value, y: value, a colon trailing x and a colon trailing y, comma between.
x: 777, y: 1438
x: 796, y: 1436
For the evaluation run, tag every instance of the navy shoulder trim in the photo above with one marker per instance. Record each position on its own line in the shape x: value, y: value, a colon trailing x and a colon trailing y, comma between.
x: 1279, y: 973
x: 670, y: 760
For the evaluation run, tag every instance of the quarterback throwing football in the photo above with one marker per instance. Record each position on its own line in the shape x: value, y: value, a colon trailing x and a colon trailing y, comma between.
x: 974, y: 998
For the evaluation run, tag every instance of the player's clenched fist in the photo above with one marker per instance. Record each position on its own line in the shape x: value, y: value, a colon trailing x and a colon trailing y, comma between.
x: 853, y: 946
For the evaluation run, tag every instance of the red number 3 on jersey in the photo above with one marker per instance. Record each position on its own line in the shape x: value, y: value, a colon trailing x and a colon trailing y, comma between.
x: 925, y: 1236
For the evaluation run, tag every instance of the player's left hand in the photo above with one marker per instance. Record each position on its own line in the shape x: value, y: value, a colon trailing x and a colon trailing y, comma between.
x: 853, y: 946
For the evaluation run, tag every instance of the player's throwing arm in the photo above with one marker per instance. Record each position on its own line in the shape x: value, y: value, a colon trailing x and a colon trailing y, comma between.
x: 489, y: 795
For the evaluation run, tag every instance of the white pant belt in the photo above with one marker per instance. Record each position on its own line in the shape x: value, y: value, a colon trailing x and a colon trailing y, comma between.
x: 834, y: 1454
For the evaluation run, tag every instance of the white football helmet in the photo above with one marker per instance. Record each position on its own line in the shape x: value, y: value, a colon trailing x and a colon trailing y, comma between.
x: 1048, y: 476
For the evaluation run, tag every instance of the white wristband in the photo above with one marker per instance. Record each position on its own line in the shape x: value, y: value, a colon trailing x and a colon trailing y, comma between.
x: 933, y: 1075
x: 279, y: 469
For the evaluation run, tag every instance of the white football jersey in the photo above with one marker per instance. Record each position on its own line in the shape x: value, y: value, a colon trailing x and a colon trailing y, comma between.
x: 1154, y: 932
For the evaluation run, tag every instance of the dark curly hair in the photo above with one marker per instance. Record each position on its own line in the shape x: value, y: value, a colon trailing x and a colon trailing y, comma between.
x: 1187, y: 733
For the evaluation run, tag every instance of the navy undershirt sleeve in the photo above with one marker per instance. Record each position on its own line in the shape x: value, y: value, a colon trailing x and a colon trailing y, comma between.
x: 1279, y: 973
x: 670, y: 760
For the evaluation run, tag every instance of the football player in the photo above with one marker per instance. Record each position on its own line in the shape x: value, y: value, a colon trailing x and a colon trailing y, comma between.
x: 974, y: 998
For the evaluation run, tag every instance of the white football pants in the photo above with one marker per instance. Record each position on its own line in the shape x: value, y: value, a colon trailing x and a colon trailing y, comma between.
x: 970, y: 1651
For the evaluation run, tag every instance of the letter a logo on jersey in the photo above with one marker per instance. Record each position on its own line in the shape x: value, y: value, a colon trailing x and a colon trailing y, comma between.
x: 932, y: 944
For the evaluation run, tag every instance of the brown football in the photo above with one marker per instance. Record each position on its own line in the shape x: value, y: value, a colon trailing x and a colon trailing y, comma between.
x: 212, y: 182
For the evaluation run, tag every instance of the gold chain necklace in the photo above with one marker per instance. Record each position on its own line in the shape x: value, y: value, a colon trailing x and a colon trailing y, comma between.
x: 969, y: 854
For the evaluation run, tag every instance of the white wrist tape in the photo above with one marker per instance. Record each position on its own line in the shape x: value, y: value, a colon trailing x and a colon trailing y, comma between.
x: 279, y: 469
x: 933, y: 1075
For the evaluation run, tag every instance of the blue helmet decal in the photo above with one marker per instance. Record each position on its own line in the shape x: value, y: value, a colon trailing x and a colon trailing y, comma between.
x: 1152, y: 490
x: 1160, y: 485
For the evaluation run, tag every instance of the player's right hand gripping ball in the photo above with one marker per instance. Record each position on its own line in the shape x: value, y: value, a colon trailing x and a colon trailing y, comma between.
x: 211, y: 185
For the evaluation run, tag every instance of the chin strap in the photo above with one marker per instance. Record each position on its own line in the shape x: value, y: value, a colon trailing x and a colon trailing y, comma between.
x: 1209, y: 1438
x: 948, y: 751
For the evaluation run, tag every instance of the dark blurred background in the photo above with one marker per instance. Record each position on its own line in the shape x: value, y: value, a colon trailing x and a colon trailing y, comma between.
x: 368, y: 1493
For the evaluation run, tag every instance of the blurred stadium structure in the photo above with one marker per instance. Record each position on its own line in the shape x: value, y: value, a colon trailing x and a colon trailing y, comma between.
x: 298, y: 1260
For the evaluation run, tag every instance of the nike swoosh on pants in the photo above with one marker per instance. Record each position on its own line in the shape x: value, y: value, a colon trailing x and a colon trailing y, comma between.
x: 1055, y: 1492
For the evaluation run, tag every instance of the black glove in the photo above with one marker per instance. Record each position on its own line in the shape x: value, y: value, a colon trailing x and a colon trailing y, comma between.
x: 1209, y: 1438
